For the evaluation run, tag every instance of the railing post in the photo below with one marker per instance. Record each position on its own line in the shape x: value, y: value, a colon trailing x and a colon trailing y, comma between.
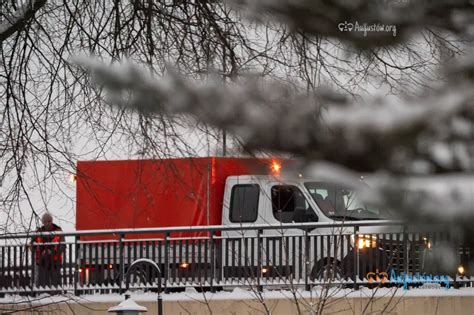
x: 159, y: 297
x: 213, y: 259
x: 77, y: 265
x: 122, y: 265
x: 306, y: 260
x: 457, y: 244
x: 33, y: 267
x: 406, y: 252
x: 356, y: 260
x: 259, y: 259
x: 167, y: 262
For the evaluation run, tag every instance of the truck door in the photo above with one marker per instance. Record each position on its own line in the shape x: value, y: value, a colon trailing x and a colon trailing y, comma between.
x: 242, y: 203
x: 284, y: 255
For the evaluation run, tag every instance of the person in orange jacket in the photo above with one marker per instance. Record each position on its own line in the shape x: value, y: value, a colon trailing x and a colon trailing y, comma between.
x: 47, y: 251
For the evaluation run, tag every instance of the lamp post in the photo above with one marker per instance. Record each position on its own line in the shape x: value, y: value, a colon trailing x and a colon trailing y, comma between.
x: 140, y: 262
x: 127, y: 307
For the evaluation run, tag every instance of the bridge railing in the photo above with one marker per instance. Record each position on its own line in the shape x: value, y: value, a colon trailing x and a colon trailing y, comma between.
x: 303, y: 255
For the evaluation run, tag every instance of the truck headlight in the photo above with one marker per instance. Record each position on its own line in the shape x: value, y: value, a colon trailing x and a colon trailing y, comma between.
x: 364, y: 241
x: 427, y: 242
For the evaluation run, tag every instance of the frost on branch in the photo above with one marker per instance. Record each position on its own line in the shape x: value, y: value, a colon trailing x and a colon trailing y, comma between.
x: 414, y: 147
x: 325, y: 18
x: 432, y: 133
x: 444, y: 202
x: 447, y: 198
x: 392, y: 139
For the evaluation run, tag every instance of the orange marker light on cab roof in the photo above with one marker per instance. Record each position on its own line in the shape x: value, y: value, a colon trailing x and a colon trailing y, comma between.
x: 276, y: 167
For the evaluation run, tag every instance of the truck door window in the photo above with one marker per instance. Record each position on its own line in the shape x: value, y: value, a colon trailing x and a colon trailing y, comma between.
x: 290, y: 205
x: 244, y: 203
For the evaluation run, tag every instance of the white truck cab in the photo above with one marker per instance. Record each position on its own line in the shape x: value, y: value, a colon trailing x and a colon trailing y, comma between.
x: 275, y: 200
x: 270, y: 200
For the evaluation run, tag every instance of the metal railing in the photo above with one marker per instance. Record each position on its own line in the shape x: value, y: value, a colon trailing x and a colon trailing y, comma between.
x: 214, y: 257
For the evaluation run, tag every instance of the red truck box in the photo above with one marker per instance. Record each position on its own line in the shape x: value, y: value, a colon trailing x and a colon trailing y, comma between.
x: 156, y: 193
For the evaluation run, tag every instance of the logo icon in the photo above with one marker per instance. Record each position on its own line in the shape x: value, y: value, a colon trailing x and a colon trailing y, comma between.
x: 345, y: 27
x: 377, y: 277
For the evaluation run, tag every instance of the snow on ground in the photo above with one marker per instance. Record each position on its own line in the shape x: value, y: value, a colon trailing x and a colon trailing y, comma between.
x: 240, y: 294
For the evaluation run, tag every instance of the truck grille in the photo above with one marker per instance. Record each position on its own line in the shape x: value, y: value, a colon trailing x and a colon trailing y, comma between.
x: 400, y: 257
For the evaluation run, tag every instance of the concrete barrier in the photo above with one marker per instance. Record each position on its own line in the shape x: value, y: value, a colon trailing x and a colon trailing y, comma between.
x: 396, y: 305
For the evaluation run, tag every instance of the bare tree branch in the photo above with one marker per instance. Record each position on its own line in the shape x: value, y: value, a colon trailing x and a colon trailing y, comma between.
x: 17, y: 20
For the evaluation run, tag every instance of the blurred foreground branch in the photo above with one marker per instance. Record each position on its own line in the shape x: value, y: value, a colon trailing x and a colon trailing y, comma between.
x: 432, y: 133
x: 414, y: 147
x: 344, y: 19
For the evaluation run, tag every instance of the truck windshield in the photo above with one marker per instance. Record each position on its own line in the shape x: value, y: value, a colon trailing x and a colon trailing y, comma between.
x: 339, y: 203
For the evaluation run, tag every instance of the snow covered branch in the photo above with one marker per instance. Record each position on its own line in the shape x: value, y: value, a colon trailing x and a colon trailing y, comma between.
x: 388, y: 21
x: 433, y: 198
x: 429, y: 134
x: 393, y: 140
x: 17, y: 20
x: 443, y: 202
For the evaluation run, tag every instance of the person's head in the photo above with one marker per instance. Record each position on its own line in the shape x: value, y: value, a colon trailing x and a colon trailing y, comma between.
x: 47, y: 220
